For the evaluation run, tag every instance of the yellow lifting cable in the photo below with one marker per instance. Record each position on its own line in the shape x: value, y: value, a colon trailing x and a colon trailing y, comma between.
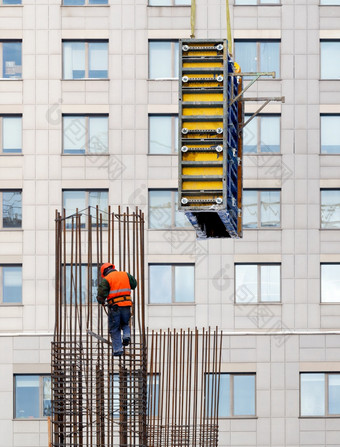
x: 193, y: 18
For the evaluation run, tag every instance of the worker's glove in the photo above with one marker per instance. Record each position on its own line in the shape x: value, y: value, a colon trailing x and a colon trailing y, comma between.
x: 100, y: 299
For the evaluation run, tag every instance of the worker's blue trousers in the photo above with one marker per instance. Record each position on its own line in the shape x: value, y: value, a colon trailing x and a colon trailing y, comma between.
x: 119, y: 317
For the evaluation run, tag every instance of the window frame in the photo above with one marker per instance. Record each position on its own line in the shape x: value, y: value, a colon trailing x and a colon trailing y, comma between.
x: 173, y: 4
x: 86, y: 60
x: 173, y: 211
x: 173, y: 284
x: 335, y: 40
x: 2, y: 41
x: 174, y: 137
x: 258, y: 54
x: 86, y: 3
x: 259, y: 3
x: 259, y: 226
x: 323, y: 115
x: 321, y: 300
x: 41, y: 396
x: 325, y: 4
x: 326, y: 390
x: 259, y: 301
x: 87, y: 201
x: 2, y: 117
x: 2, y: 228
x: 2, y: 303
x: 87, y: 133
x: 231, y: 394
x: 258, y: 119
x: 172, y: 77
x: 321, y: 227
x: 10, y: 4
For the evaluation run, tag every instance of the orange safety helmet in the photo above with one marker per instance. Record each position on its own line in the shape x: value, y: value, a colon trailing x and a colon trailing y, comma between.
x: 104, y: 267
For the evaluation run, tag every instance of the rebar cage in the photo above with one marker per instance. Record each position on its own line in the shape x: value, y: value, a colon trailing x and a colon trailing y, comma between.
x: 163, y: 391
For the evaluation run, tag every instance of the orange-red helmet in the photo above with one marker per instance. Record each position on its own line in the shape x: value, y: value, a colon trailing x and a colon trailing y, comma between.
x: 104, y: 267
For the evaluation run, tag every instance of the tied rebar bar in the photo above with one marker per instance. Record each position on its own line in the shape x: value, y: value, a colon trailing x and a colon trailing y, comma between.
x: 164, y: 390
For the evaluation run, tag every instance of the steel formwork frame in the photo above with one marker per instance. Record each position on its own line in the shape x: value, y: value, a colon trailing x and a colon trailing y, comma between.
x: 163, y: 391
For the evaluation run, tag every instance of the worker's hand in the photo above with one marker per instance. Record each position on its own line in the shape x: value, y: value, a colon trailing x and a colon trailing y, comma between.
x: 100, y: 299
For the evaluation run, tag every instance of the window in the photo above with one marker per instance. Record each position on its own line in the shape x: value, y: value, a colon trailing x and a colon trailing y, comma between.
x: 83, y: 60
x: 257, y: 283
x: 32, y: 396
x: 262, y: 134
x: 11, y: 130
x: 11, y: 209
x: 81, y: 200
x: 85, y: 134
x: 330, y: 283
x: 261, y: 208
x: 236, y: 395
x: 11, y: 284
x: 163, y: 134
x: 11, y: 2
x: 84, y: 2
x: 329, y: 2
x: 261, y: 55
x: 163, y: 210
x: 330, y: 134
x: 163, y: 59
x: 11, y: 59
x: 169, y: 2
x: 170, y: 283
x: 330, y: 59
x: 330, y: 208
x: 320, y: 394
x: 257, y: 2
x: 76, y: 284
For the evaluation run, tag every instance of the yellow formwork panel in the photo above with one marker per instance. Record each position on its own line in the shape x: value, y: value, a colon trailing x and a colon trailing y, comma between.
x: 203, y: 156
x: 199, y: 111
x: 201, y: 53
x: 202, y: 97
x: 201, y: 185
x: 202, y: 64
x: 204, y: 125
x: 206, y: 170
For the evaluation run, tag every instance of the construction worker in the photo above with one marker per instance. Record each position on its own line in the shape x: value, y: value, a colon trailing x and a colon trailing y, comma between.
x: 115, y: 290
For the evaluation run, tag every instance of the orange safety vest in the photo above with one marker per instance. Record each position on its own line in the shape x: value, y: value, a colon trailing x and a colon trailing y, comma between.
x: 120, y: 290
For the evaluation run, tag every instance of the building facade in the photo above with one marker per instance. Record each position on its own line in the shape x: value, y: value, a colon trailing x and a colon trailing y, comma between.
x: 88, y: 115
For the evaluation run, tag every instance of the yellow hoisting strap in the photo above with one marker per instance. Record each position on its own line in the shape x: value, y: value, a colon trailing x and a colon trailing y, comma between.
x: 230, y: 42
x: 193, y: 18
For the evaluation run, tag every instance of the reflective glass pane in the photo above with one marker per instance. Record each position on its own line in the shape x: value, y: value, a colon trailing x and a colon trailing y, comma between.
x: 244, y: 395
x: 180, y: 218
x: 74, y: 2
x: 47, y: 396
x: 246, y: 283
x: 270, y: 283
x: 329, y: 2
x: 11, y: 59
x: 160, y: 134
x: 76, y: 284
x: 11, y: 2
x: 330, y: 134
x: 246, y: 56
x: 98, y: 2
x: 250, y: 136
x: 100, y: 198
x: 74, y: 134
x: 71, y: 201
x: 160, y: 284
x: 330, y: 60
x: 270, y: 2
x: 245, y: 2
x: 11, y: 209
x: 27, y: 397
x: 175, y: 118
x: 250, y: 209
x: 184, y: 283
x: 11, y: 134
x: 270, y: 134
x: 159, y: 2
x: 153, y: 394
x: 224, y: 394
x: 160, y: 209
x: 183, y: 2
x: 330, y: 283
x: 270, y: 209
x: 74, y: 60
x: 270, y: 57
x: 98, y: 134
x: 176, y: 60
x: 330, y: 208
x: 334, y: 394
x: 12, y: 284
x: 98, y: 60
x: 312, y: 394
x: 160, y: 60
